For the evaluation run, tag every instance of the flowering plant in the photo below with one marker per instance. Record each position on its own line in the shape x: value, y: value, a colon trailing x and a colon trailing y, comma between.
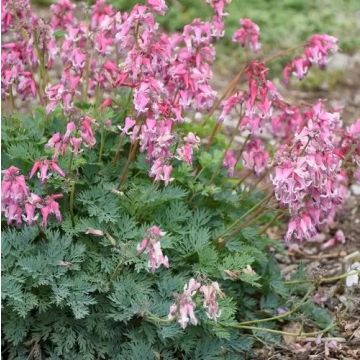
x: 145, y: 234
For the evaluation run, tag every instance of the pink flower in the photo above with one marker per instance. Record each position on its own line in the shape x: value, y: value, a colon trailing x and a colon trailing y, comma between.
x: 158, y: 6
x: 86, y: 131
x: 101, y: 13
x: 55, y: 142
x: 43, y: 166
x: 129, y: 124
x: 255, y: 157
x: 210, y: 293
x: 320, y: 47
x: 30, y: 207
x: 75, y: 144
x: 248, y: 35
x: 219, y: 6
x: 339, y: 238
x: 317, y: 51
x: 26, y: 85
x: 78, y: 59
x: 301, y: 227
x: 151, y: 245
x: 13, y: 213
x: 106, y: 103
x: 166, y: 174
x: 70, y: 129
x: 14, y: 192
x: 230, y: 162
x: 161, y: 171
x: 141, y: 98
x: 102, y: 43
x: 185, y: 152
x: 229, y: 104
x: 13, y: 186
x: 62, y: 14
x: 298, y: 66
x: 49, y: 206
x: 183, y: 308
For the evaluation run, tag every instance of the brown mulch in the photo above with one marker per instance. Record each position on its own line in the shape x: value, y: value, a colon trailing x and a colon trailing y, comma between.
x: 342, y: 302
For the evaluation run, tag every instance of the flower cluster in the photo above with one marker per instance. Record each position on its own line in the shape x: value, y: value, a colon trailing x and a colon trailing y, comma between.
x: 184, y: 307
x: 20, y: 205
x: 167, y: 74
x: 73, y: 138
x: 255, y: 157
x: 308, y: 176
x: 151, y: 246
x: 248, y: 35
x: 317, y: 51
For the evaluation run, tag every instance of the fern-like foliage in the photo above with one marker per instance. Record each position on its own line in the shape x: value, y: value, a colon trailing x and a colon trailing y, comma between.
x: 68, y: 294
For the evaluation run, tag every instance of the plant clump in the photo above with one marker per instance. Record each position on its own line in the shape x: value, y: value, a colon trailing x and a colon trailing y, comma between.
x: 130, y: 232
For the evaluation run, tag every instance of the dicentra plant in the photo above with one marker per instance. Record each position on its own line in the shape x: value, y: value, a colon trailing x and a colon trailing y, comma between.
x: 131, y: 232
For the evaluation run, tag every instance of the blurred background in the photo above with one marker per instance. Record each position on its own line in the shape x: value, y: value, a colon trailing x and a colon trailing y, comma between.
x: 283, y: 24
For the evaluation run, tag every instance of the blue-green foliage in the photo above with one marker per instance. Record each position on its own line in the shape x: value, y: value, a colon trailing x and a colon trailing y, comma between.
x: 68, y: 295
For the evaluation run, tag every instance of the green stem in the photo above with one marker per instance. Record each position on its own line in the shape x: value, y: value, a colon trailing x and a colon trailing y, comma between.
x: 218, y: 168
x: 12, y: 100
x: 102, y: 140
x: 212, y: 135
x: 242, y: 179
x: 241, y: 218
x: 271, y: 222
x: 130, y: 159
x: 72, y: 193
x: 305, y: 147
x: 118, y: 150
x: 71, y: 161
x: 253, y: 218
x: 199, y: 173
x: 243, y: 148
x: 279, y: 332
x: 281, y: 316
x: 323, y: 280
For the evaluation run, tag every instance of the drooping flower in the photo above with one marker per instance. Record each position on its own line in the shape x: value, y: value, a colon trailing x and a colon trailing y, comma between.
x: 248, y: 35
x: 49, y: 206
x: 43, y: 166
x: 129, y: 124
x: 151, y: 245
x: 14, y: 193
x: 229, y: 104
x: 185, y: 152
x: 86, y: 131
x: 13, y: 186
x: 62, y: 14
x: 230, y: 162
x: 255, y: 156
x: 184, y: 307
x: 301, y: 228
x: 210, y: 293
x: 158, y: 6
x: 320, y: 47
x: 317, y: 51
x: 338, y: 238
x: 308, y: 178
x: 298, y: 67
x: 32, y: 204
